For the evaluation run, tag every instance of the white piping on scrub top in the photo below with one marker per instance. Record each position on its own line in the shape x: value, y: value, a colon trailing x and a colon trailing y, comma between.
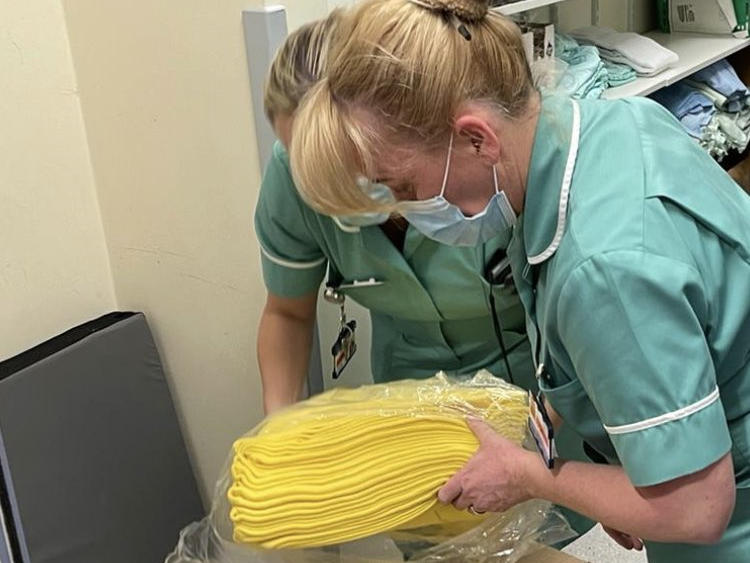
x: 346, y: 228
x: 562, y: 209
x: 665, y: 418
x: 293, y: 265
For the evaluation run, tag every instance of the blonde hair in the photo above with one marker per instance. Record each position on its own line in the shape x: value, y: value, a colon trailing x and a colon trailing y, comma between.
x: 297, y: 66
x: 411, y: 66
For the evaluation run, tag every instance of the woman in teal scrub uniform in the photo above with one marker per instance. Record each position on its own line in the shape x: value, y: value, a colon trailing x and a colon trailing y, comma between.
x: 429, y: 303
x: 631, y: 254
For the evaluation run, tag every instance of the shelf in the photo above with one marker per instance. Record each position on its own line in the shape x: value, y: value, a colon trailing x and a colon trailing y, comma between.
x: 525, y: 5
x: 696, y: 51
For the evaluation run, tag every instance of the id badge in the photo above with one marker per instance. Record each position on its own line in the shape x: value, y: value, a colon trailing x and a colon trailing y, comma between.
x: 344, y: 348
x: 541, y: 429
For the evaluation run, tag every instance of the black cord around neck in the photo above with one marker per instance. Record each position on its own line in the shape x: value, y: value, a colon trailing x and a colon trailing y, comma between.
x: 499, y: 335
x: 495, y: 272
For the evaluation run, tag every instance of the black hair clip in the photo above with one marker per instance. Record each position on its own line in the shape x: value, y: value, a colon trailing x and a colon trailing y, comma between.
x: 460, y: 27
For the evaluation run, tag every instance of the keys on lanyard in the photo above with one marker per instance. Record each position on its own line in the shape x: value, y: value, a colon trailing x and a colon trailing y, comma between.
x: 345, y: 346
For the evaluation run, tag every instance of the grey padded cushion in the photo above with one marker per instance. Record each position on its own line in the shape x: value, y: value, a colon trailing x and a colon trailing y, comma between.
x: 95, y: 463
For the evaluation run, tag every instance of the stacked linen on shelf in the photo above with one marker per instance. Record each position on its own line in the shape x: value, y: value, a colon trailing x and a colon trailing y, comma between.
x: 618, y: 73
x: 640, y: 53
x: 585, y: 74
x: 713, y: 106
x: 721, y: 83
x: 693, y: 108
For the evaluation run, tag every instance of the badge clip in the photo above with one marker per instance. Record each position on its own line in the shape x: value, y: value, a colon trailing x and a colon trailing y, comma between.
x: 344, y: 348
x: 541, y: 429
x: 345, y: 345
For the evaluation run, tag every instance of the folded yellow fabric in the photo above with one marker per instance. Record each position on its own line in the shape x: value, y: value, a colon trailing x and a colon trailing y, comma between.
x: 355, y: 462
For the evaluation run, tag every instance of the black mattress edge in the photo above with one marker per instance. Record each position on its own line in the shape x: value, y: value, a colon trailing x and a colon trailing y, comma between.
x: 57, y: 343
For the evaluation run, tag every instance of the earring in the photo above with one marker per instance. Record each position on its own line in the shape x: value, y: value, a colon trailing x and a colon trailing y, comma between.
x: 477, y: 144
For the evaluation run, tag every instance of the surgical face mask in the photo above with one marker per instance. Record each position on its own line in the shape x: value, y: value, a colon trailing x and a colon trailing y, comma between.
x: 444, y: 222
x: 379, y: 193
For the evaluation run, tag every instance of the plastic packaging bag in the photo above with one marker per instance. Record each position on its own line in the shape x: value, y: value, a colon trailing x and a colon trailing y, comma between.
x: 351, y: 475
x: 548, y: 75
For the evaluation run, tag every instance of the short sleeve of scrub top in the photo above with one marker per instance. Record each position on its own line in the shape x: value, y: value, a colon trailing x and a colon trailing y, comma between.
x: 644, y: 362
x: 293, y: 262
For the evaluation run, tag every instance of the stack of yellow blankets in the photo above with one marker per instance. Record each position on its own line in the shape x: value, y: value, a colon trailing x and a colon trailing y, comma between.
x: 351, y: 463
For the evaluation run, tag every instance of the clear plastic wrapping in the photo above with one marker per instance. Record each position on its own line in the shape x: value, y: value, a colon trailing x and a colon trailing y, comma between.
x: 351, y: 475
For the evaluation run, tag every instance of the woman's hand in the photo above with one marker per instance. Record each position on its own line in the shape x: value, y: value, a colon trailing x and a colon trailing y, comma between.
x: 495, y: 478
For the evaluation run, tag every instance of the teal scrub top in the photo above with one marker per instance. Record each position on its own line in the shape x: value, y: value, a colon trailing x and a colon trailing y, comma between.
x: 632, y: 258
x: 431, y: 309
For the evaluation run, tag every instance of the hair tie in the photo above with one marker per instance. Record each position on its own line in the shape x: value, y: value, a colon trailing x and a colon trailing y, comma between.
x: 469, y: 11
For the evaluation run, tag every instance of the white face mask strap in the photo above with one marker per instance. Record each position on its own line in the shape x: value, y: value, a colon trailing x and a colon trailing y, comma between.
x: 447, y: 166
x: 494, y: 178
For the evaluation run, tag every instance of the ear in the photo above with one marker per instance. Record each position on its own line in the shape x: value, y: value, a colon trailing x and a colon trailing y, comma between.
x: 480, y: 136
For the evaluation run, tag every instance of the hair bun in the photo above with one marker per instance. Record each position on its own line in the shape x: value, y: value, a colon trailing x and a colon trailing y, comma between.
x: 467, y: 10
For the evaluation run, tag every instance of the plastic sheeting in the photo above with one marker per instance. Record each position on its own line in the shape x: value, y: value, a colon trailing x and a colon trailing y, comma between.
x: 352, y: 476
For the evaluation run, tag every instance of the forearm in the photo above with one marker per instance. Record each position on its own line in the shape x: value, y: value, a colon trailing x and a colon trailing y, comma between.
x: 284, y: 346
x: 678, y: 513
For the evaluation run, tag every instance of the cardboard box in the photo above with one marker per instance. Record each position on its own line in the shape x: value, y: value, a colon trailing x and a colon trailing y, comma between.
x: 548, y: 555
x: 721, y: 17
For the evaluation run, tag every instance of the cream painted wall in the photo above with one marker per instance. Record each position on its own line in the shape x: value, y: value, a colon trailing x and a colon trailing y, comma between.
x: 302, y: 11
x: 167, y: 109
x: 54, y: 271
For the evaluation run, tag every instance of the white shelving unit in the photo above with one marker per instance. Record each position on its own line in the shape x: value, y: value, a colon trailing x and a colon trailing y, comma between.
x: 696, y: 51
x: 525, y: 5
